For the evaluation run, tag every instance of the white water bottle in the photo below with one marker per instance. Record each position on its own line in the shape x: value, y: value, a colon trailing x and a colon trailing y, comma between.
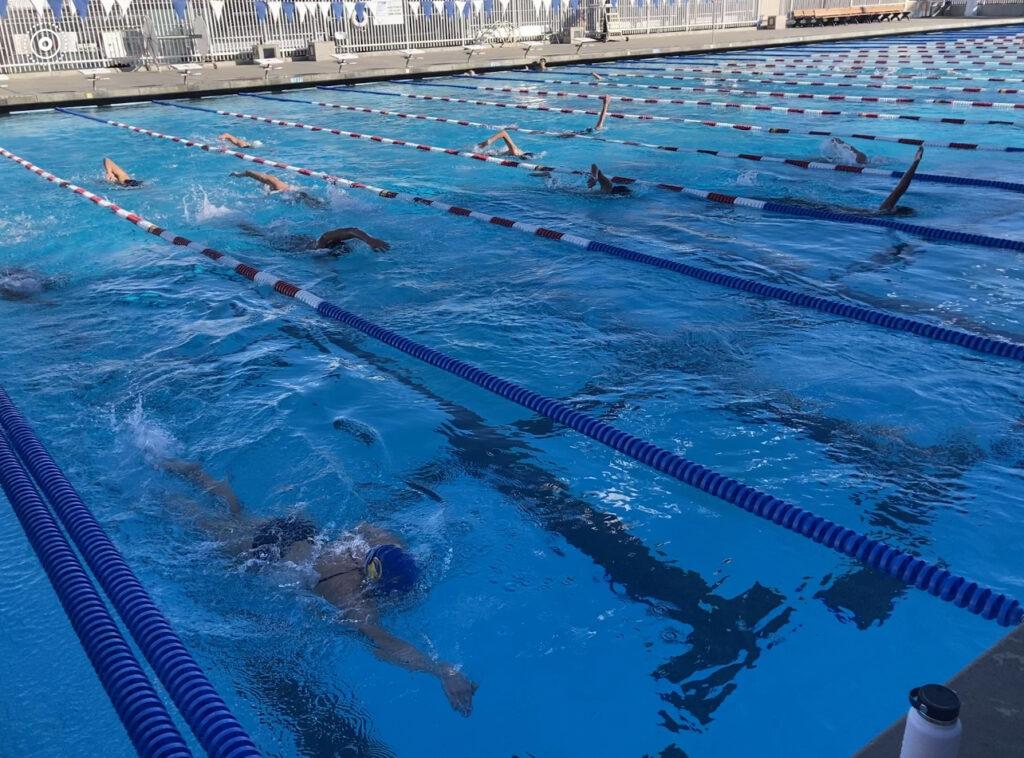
x: 933, y: 723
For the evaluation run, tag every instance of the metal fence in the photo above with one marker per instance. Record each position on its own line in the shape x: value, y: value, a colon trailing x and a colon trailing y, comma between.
x: 48, y: 35
x: 800, y: 5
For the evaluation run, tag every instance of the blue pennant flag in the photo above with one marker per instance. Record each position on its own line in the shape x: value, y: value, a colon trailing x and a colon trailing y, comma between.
x: 179, y: 7
x: 488, y: 6
x: 3, y: 8
x: 55, y: 6
x: 449, y: 7
x: 337, y: 9
x: 556, y: 6
x: 82, y: 6
x: 289, y: 10
x: 359, y: 14
x: 261, y: 10
x: 428, y: 8
x: 574, y: 5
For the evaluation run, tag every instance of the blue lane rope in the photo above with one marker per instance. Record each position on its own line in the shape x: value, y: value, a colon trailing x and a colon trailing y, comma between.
x: 969, y: 340
x: 149, y: 726
x: 980, y: 600
x: 216, y: 729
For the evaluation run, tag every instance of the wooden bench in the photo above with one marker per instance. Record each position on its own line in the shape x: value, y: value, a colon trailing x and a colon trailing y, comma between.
x: 854, y: 14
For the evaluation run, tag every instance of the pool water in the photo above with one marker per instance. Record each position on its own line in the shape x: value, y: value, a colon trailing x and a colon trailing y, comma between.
x: 603, y: 609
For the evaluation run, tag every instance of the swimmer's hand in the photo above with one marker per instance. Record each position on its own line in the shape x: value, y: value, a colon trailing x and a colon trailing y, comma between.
x: 377, y: 245
x: 458, y: 689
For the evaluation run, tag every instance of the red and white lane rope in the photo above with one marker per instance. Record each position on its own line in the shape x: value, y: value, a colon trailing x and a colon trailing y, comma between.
x: 723, y: 63
x: 716, y: 72
x: 964, y: 60
x: 789, y: 111
x: 709, y: 196
x: 795, y: 82
x: 793, y: 162
x: 830, y: 96
x: 698, y: 122
x: 225, y: 261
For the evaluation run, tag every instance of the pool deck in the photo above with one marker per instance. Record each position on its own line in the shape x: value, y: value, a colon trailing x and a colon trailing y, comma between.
x: 42, y: 90
x: 993, y: 712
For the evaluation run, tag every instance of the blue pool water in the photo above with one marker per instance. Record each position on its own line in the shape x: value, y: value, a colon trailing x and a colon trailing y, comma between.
x: 603, y: 609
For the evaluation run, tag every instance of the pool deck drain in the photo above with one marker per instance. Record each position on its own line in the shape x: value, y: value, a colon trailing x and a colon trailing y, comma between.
x: 993, y: 713
x: 43, y: 90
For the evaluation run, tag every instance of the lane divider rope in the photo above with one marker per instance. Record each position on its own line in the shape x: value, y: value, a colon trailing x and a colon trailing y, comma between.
x: 792, y: 162
x: 696, y: 122
x: 701, y: 194
x: 813, y: 68
x: 149, y: 726
x: 916, y: 572
x: 780, y: 94
x: 209, y: 718
x: 787, y: 110
x: 979, y: 343
x: 704, y: 72
x: 753, y: 79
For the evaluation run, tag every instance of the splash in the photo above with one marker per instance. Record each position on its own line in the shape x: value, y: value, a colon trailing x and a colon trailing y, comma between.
x: 198, y: 208
x: 155, y: 442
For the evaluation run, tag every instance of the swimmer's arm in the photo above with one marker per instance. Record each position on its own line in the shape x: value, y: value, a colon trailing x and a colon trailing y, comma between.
x: 271, y: 181
x: 605, y: 102
x: 202, y: 479
x: 391, y: 649
x: 904, y: 183
x: 337, y: 236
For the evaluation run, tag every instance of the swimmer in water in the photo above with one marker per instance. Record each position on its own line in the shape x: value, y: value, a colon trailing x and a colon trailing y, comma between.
x: 604, y: 184
x: 277, y: 185
x: 334, y: 241
x: 21, y: 283
x: 605, y: 104
x: 117, y: 175
x: 838, y: 151
x: 512, y: 148
x: 540, y: 65
x: 354, y: 575
x: 236, y: 141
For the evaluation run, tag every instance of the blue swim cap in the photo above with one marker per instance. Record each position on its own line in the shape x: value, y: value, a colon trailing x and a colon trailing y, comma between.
x: 389, y: 568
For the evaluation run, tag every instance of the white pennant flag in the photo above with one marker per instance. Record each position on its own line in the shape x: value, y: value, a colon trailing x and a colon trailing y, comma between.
x: 414, y: 7
x: 274, y: 9
x: 218, y: 8
x: 439, y: 6
x: 301, y: 9
x: 503, y: 4
x: 107, y: 5
x: 124, y: 5
x: 460, y: 7
x: 325, y: 8
x: 39, y: 6
x: 478, y: 6
x: 350, y: 9
x: 536, y: 6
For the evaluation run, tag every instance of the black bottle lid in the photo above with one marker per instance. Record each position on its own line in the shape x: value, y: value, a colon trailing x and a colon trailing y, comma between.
x: 936, y: 702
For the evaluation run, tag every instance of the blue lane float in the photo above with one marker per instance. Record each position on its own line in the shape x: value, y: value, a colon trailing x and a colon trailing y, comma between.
x: 213, y: 724
x: 148, y: 724
x: 915, y: 572
x: 971, y: 341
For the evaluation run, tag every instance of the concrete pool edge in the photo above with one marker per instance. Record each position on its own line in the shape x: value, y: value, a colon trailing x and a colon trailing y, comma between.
x: 34, y: 91
x: 989, y: 688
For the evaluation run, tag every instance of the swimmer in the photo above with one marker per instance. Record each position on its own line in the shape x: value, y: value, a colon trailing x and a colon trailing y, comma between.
x: 838, y: 151
x: 117, y: 175
x: 21, y: 283
x: 604, y: 184
x: 277, y: 185
x: 503, y: 136
x: 354, y: 575
x: 605, y: 104
x: 236, y: 141
x: 596, y: 76
x: 540, y: 65
x: 336, y: 238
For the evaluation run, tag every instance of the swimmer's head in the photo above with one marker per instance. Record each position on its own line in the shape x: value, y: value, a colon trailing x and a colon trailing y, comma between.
x: 389, y: 569
x: 131, y: 183
x: 619, y: 189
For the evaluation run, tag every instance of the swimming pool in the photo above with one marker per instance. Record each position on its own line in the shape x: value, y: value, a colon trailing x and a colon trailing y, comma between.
x: 602, y: 608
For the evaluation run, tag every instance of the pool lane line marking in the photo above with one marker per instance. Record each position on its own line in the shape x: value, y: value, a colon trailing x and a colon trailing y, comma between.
x: 939, y: 582
x: 729, y: 64
x: 976, y: 342
x: 694, y: 121
x: 701, y: 194
x: 785, y: 110
x: 779, y: 94
x: 704, y: 72
x: 965, y: 59
x: 791, y: 162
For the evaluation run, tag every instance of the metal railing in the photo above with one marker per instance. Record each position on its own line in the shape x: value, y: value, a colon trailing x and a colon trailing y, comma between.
x: 133, y: 33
